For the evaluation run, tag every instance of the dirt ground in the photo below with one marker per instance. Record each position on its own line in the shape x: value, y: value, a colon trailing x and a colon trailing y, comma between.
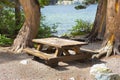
x: 11, y: 67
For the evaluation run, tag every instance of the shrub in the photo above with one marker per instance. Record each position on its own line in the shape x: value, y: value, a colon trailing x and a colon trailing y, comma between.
x: 82, y: 27
x: 46, y: 30
x: 7, y: 23
x: 4, y: 41
x: 87, y: 2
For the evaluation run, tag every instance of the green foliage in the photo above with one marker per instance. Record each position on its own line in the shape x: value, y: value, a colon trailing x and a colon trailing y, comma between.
x: 7, y: 23
x: 4, y: 41
x: 82, y: 27
x: 87, y: 2
x: 6, y: 3
x: 46, y: 30
x: 43, y: 2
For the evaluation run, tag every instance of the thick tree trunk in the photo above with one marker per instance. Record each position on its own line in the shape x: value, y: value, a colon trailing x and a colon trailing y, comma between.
x: 117, y: 28
x: 112, y: 37
x: 30, y: 27
x: 99, y: 26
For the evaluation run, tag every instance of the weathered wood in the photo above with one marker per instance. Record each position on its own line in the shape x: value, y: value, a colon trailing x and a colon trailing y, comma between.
x: 39, y: 54
x: 61, y: 53
x: 58, y: 42
x: 76, y: 49
x: 53, y: 62
x: 88, y: 51
x: 66, y: 52
x: 73, y: 57
x: 39, y: 46
x: 58, y: 52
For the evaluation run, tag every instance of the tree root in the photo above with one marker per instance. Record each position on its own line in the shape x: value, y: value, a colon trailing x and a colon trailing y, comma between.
x: 108, y: 50
x: 116, y: 49
x: 17, y: 47
x: 104, y: 50
x: 17, y: 50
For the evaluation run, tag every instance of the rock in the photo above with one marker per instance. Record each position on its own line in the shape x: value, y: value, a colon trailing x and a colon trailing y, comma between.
x: 72, y: 78
x: 107, y: 76
x: 102, y: 72
x: 99, y: 68
x: 24, y: 62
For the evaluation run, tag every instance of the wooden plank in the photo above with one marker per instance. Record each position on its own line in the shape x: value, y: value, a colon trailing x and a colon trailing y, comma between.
x: 39, y: 54
x: 72, y: 57
x: 88, y: 51
x: 58, y: 42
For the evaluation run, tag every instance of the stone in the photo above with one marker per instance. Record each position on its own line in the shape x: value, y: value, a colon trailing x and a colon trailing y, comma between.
x: 107, y: 76
x: 99, y: 68
x: 102, y: 72
x: 24, y: 62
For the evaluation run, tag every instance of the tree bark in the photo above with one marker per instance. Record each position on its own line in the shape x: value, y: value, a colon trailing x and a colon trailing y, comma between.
x: 30, y: 27
x: 99, y: 26
x: 111, y: 43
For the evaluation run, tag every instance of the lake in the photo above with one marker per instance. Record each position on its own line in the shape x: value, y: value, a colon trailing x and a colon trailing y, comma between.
x: 66, y: 15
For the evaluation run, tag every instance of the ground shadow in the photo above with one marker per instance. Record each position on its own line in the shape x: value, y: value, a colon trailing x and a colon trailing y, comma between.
x: 78, y: 64
x: 6, y: 57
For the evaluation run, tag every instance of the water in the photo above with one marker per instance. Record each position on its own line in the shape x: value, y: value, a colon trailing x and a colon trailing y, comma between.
x: 66, y: 15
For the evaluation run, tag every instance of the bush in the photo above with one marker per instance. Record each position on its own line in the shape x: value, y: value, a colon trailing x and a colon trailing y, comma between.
x: 82, y: 27
x: 46, y: 31
x: 4, y: 41
x: 7, y: 23
x: 87, y: 2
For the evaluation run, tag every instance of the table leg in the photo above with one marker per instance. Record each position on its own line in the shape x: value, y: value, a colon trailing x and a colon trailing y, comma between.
x: 39, y: 46
x: 66, y: 52
x: 77, y: 49
x: 58, y: 52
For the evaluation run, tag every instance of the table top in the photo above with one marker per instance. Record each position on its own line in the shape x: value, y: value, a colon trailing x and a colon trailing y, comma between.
x: 59, y: 42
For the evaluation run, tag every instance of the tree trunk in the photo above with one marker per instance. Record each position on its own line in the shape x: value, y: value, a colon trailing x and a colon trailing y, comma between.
x: 17, y: 13
x: 111, y: 42
x: 99, y: 26
x: 30, y: 27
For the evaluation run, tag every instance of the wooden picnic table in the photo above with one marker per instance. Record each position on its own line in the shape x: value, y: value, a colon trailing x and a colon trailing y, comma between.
x: 61, y: 49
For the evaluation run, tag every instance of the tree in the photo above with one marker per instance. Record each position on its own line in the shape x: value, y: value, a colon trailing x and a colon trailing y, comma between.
x: 99, y: 26
x: 111, y: 43
x: 30, y: 27
x: 17, y: 13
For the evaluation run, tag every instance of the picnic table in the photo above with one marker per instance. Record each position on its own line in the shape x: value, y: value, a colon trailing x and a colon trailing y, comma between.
x: 57, y: 50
